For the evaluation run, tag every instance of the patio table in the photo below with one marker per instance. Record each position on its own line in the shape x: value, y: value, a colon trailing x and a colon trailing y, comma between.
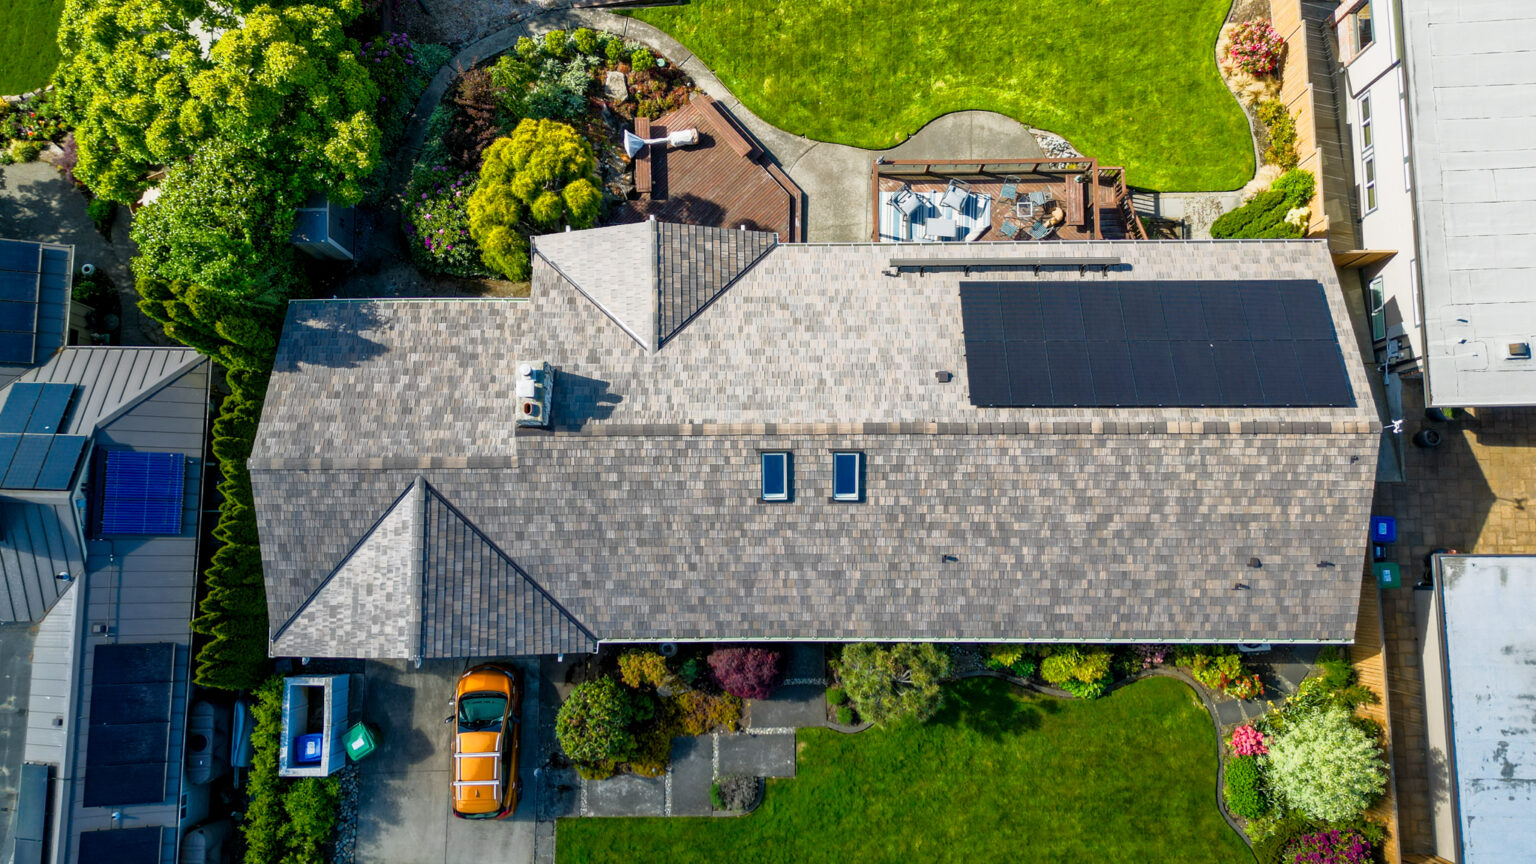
x: 940, y: 228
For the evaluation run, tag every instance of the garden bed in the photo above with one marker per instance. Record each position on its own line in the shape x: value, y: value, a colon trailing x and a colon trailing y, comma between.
x: 561, y: 105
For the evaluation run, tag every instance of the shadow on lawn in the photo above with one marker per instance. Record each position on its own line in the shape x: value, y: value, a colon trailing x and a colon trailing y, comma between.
x: 992, y: 709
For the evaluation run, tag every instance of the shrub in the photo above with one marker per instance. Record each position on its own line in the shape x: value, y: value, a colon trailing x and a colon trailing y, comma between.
x: 641, y: 668
x: 733, y: 792
x: 102, y: 213
x: 1333, y: 671
x: 1297, y: 187
x: 584, y: 39
x: 555, y: 43
x: 1323, y: 765
x: 542, y: 174
x: 25, y: 151
x: 750, y: 673
x: 435, y: 219
x: 692, y: 670
x: 1329, y: 847
x: 593, y: 723
x: 310, y: 805
x: 698, y: 713
x: 1248, y: 741
x: 836, y: 696
x: 287, y: 821
x: 1282, y: 134
x: 845, y: 715
x: 1264, y: 215
x: 614, y: 51
x: 1256, y: 48
x: 1152, y: 655
x: 642, y: 59
x: 526, y: 49
x: 896, y: 683
x: 1242, y: 788
x: 1222, y: 669
x: 1074, y: 665
x: 476, y: 122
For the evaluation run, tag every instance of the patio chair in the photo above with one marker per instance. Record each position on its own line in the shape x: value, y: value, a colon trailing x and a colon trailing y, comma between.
x: 1040, y: 231
x: 1010, y: 229
x: 955, y: 194
x: 1038, y: 198
x: 1010, y: 190
x: 906, y: 201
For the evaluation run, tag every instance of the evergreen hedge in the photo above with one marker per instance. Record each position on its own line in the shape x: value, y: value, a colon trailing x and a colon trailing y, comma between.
x: 1264, y: 215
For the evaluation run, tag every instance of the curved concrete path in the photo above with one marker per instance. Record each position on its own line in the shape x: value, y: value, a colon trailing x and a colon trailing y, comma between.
x: 835, y: 178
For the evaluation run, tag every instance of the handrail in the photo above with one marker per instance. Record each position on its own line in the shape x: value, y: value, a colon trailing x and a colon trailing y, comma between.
x: 1123, y: 202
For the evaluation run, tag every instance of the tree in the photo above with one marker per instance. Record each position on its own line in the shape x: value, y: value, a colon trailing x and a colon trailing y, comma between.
x: 542, y: 176
x: 749, y: 673
x: 897, y: 683
x: 593, y: 723
x: 1324, y: 765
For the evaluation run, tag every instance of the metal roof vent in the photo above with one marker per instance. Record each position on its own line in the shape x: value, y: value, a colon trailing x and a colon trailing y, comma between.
x: 535, y: 385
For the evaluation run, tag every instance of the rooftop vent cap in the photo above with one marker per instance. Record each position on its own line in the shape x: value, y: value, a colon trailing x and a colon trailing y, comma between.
x: 1519, y: 350
x: 944, y: 377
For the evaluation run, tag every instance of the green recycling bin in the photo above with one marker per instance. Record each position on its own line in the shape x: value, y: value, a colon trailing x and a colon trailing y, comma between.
x: 1388, y: 574
x: 361, y: 740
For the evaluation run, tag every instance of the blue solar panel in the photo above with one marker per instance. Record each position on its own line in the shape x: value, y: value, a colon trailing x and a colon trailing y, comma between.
x: 48, y: 414
x: 39, y: 461
x: 142, y: 493
x: 19, y: 402
x: 62, y: 459
x: 27, y: 463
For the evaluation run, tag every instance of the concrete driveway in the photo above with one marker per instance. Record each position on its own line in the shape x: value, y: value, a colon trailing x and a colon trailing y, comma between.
x: 403, y: 812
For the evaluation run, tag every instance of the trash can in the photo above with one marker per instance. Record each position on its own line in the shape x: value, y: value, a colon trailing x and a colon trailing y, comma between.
x: 1383, y: 529
x: 361, y: 740
x: 307, y: 749
x: 1387, y: 574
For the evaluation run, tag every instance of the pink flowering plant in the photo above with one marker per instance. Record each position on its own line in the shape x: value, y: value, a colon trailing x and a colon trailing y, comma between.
x: 436, y: 224
x: 1248, y: 741
x: 1152, y: 655
x: 1256, y: 48
x: 1329, y: 847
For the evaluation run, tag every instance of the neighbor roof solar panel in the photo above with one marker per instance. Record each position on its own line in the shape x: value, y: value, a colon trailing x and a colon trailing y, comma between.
x: 1152, y: 344
x: 142, y: 493
x: 21, y: 273
x: 129, y: 742
x: 123, y: 845
x: 45, y: 462
x: 36, y: 408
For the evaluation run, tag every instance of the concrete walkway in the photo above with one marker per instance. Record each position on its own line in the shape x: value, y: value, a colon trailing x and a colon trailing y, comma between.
x: 835, y: 178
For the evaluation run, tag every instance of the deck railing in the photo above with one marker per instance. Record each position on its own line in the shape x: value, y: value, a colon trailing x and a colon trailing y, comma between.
x: 1115, y: 176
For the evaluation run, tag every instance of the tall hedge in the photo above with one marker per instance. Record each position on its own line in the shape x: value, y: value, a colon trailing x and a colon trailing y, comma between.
x: 1264, y: 215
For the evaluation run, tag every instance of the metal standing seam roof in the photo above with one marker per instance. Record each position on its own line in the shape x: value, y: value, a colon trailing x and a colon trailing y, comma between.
x: 639, y: 511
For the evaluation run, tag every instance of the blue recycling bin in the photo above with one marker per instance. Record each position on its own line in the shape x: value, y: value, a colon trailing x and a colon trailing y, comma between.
x: 1383, y: 529
x: 307, y: 749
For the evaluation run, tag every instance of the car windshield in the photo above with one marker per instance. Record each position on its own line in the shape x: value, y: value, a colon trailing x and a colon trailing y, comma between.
x: 481, y: 712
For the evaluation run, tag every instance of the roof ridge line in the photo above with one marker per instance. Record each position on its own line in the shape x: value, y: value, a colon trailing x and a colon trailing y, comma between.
x: 747, y: 268
x: 372, y: 529
x: 432, y: 490
x: 590, y: 299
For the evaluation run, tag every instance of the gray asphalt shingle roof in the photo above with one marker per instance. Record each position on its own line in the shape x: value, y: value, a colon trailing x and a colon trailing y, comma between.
x: 639, y: 511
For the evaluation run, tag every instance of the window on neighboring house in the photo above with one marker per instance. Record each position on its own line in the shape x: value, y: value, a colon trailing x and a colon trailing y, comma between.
x: 847, y: 476
x: 1365, y: 32
x: 1377, y: 297
x: 1367, y: 139
x: 1369, y: 188
x: 776, y: 476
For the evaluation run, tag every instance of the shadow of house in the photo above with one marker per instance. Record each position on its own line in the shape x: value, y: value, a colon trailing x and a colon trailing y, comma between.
x: 338, y: 341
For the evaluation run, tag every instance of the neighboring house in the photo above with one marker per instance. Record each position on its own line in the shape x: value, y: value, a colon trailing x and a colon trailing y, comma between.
x: 34, y: 304
x: 777, y: 442
x: 1479, y: 667
x: 101, y: 466
x: 1437, y: 100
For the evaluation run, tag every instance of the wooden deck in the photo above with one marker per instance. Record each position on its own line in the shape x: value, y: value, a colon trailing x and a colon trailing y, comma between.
x: 1367, y: 656
x: 726, y: 180
x: 1094, y: 209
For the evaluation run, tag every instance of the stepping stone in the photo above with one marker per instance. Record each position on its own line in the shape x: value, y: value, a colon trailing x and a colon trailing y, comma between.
x: 1230, y: 711
x: 693, y: 772
x: 627, y: 795
x: 757, y: 755
x: 795, y: 706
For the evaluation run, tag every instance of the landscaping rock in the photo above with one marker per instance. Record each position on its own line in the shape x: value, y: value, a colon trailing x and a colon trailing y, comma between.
x: 615, y: 87
x: 1054, y: 145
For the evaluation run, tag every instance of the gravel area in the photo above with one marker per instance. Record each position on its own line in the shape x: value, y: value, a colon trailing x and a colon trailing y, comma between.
x: 346, y: 816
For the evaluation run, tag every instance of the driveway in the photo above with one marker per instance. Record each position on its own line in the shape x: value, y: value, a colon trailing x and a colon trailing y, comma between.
x: 403, y: 815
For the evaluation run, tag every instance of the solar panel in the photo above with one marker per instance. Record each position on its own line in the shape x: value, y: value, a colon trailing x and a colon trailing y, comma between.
x: 27, y: 462
x: 48, y: 414
x: 128, y: 743
x: 1153, y: 344
x: 39, y: 461
x: 122, y: 846
x: 19, y: 402
x: 18, y: 255
x: 23, y: 267
x: 62, y: 459
x: 142, y: 493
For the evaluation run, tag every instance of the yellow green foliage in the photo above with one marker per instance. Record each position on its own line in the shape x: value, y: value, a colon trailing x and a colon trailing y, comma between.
x: 644, y: 668
x: 542, y: 176
x: 1074, y: 663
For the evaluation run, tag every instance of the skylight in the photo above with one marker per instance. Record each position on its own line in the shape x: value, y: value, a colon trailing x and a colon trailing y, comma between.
x: 847, y: 482
x: 776, y: 476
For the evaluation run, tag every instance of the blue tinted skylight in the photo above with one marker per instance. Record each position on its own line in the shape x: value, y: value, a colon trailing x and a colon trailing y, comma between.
x: 776, y: 476
x: 845, y: 477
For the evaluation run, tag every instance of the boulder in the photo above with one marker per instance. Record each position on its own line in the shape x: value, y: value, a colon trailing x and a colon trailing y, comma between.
x: 615, y: 87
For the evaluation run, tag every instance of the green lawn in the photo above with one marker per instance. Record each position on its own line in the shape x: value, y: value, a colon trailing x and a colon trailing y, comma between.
x: 27, y: 43
x: 998, y: 776
x: 1129, y: 82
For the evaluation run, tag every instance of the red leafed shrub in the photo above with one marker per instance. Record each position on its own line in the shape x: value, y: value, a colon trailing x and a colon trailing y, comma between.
x: 750, y: 673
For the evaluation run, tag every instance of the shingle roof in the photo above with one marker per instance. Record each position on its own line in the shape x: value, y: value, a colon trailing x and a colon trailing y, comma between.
x: 639, y: 511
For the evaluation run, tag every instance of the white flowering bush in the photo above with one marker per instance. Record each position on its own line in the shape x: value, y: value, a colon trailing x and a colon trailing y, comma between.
x: 1325, y: 766
x: 1299, y: 217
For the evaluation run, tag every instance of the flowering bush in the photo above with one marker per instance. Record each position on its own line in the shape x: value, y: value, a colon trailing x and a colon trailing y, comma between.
x: 750, y: 673
x: 436, y: 223
x: 1324, y: 765
x: 1222, y: 669
x: 1151, y: 655
x: 1256, y: 48
x: 388, y: 61
x: 1328, y: 847
x: 1248, y: 741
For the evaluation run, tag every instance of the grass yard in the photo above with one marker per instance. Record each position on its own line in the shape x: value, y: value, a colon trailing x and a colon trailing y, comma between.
x: 28, y: 31
x: 1000, y: 775
x: 1128, y: 82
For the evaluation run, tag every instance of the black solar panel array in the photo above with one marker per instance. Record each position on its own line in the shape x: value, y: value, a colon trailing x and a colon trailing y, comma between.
x: 123, y: 845
x: 129, y: 743
x: 36, y: 408
x: 1152, y: 344
x: 24, y: 267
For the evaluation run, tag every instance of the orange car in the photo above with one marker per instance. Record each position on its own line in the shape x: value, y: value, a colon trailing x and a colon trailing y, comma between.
x: 485, y: 781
